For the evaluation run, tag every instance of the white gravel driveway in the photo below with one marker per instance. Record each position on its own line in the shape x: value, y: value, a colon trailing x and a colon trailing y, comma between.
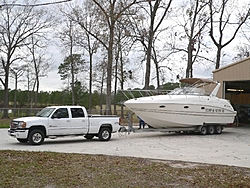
x: 232, y: 147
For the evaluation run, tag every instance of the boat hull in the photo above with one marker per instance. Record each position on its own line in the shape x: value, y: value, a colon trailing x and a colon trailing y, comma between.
x: 182, y: 111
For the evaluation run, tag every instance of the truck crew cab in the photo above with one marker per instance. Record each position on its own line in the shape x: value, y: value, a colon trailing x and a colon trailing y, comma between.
x: 56, y: 121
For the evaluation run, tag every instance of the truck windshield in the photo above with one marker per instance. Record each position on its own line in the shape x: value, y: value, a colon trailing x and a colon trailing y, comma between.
x: 45, y: 112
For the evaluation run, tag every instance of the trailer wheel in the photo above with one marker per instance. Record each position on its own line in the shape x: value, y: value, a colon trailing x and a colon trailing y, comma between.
x: 104, y: 134
x: 203, y: 130
x: 36, y: 137
x: 210, y: 129
x: 218, y: 129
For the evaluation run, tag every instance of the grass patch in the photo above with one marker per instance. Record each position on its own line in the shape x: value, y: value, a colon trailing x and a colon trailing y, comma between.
x: 5, y: 123
x: 50, y: 169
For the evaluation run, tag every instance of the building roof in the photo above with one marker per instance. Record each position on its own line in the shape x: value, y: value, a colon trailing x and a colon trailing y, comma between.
x: 232, y: 64
x: 197, y: 81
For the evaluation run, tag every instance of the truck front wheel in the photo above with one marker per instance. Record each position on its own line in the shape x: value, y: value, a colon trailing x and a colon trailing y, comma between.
x: 104, y: 134
x: 36, y: 137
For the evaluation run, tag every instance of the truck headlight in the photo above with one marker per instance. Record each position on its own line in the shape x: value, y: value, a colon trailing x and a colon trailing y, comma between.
x: 21, y: 124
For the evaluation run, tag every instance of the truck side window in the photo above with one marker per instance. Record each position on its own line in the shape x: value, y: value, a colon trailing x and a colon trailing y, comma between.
x: 61, y: 113
x: 77, y: 112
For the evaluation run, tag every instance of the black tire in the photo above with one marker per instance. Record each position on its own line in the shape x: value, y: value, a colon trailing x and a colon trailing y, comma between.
x: 89, y: 136
x: 36, y: 137
x: 203, y: 130
x: 22, y: 140
x: 218, y: 129
x: 210, y: 129
x: 104, y: 134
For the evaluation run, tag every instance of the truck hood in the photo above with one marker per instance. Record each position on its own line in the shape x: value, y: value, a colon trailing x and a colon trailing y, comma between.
x: 30, y: 119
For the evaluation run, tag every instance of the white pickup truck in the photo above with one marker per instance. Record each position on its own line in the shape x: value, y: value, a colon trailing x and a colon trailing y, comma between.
x: 55, y: 121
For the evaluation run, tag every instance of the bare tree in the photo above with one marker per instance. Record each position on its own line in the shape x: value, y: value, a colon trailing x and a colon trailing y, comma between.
x: 243, y: 48
x: 156, y: 18
x: 107, y: 15
x: 89, y: 43
x: 190, y: 32
x: 159, y: 58
x: 16, y: 73
x: 242, y: 52
x: 146, y: 25
x: 29, y: 77
x: 69, y: 38
x: 17, y: 24
x: 6, y: 4
x: 91, y: 47
x: 122, y: 45
x: 39, y: 61
x: 198, y: 19
x: 139, y: 33
x: 99, y: 77
x: 228, y: 17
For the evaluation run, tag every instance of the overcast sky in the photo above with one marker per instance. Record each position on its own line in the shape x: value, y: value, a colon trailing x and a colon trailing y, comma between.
x: 52, y: 82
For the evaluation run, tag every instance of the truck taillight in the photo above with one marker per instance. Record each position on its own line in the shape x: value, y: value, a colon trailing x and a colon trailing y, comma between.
x: 120, y: 121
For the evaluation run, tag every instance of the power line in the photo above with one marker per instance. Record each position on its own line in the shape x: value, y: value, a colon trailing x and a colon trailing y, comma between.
x: 34, y: 5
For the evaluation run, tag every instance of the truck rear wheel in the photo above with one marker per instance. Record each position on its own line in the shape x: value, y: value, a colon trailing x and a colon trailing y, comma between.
x: 36, y: 137
x: 104, y: 134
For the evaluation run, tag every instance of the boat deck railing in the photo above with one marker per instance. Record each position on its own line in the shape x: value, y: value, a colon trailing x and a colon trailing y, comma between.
x: 132, y: 94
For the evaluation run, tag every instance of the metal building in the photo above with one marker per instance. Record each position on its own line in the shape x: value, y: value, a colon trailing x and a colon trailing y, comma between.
x: 235, y: 86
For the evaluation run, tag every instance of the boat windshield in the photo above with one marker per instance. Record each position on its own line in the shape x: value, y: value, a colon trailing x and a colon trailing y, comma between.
x: 189, y: 91
x: 45, y: 112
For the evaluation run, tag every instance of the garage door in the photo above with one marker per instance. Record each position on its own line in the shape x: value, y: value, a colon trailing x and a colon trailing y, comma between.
x: 238, y: 92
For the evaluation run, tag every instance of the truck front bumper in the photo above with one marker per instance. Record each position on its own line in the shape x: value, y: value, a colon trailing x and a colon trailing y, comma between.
x: 18, y: 133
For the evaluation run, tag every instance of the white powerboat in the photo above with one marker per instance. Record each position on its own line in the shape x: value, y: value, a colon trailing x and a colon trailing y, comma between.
x: 190, y: 106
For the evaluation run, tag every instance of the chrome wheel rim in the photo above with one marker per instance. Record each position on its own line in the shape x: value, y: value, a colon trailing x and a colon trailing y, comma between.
x: 105, y: 134
x: 37, y: 138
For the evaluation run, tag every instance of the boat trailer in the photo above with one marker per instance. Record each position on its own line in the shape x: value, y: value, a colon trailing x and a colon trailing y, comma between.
x: 202, y: 129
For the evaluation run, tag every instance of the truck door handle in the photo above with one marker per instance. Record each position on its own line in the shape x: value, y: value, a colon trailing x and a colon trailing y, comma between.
x: 68, y: 121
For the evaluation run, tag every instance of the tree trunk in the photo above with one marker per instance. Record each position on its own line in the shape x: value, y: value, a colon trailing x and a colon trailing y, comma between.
x: 157, y: 73
x: 15, y: 96
x: 109, y: 70
x: 6, y: 94
x: 116, y: 76
x: 37, y: 90
x: 218, y: 56
x: 148, y: 63
x: 72, y: 82
x: 189, y: 63
x: 90, y: 81
x: 101, y: 98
